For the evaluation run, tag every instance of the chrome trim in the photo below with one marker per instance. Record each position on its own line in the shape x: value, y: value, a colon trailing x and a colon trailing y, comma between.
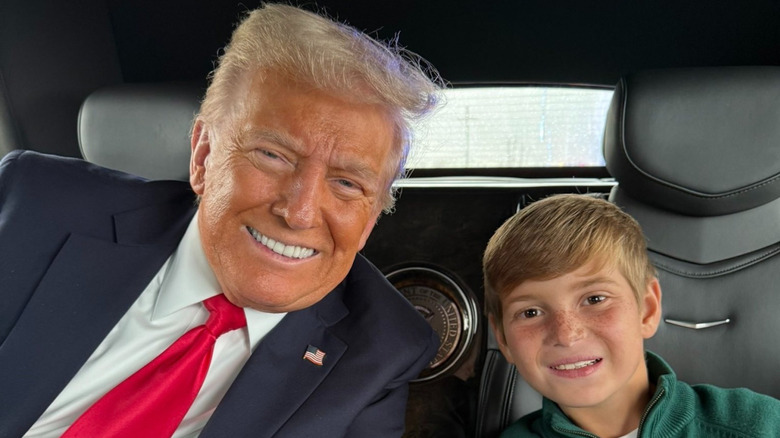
x: 470, y: 313
x: 697, y: 325
x: 500, y: 182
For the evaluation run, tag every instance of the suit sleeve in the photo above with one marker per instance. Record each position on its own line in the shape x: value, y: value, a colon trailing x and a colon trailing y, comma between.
x: 6, y: 165
x: 384, y: 418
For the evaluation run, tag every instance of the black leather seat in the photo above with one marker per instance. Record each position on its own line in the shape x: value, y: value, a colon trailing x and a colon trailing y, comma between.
x: 141, y: 129
x: 696, y: 154
x: 504, y: 396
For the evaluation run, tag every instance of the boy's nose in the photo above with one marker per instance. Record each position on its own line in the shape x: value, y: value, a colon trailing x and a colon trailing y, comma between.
x: 567, y: 329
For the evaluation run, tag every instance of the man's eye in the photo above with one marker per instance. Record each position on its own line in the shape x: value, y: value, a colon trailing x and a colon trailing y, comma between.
x: 269, y: 154
x: 595, y: 299
x: 346, y: 183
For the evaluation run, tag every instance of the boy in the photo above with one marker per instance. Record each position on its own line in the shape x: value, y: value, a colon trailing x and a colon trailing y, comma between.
x: 571, y: 295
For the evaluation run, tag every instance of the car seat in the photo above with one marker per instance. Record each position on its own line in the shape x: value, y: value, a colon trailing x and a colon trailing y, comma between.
x: 696, y: 155
x: 141, y: 129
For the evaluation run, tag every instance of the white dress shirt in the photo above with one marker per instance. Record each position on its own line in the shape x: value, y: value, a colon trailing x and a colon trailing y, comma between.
x: 168, y: 307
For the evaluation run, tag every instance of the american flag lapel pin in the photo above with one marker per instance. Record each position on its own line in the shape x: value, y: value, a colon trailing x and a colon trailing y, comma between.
x: 314, y: 355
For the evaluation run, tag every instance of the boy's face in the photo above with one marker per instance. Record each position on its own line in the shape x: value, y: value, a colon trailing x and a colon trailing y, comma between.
x: 578, y: 338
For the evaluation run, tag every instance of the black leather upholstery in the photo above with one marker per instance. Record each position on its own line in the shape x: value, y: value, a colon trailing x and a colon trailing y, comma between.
x: 52, y: 55
x: 696, y: 153
x: 141, y: 129
x: 700, y: 142
x: 504, y: 396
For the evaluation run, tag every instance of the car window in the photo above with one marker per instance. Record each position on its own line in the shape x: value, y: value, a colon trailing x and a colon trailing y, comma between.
x: 513, y: 127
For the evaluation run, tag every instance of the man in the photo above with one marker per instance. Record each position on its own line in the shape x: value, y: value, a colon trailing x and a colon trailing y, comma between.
x: 300, y: 135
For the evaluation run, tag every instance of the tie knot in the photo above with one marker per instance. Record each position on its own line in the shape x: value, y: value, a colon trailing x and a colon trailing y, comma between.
x: 224, y: 315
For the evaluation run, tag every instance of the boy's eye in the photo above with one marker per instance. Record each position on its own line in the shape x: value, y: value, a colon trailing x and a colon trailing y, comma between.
x: 595, y: 299
x: 529, y: 313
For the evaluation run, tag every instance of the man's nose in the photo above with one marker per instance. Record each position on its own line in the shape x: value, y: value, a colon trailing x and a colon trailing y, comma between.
x: 299, y: 202
x: 567, y: 328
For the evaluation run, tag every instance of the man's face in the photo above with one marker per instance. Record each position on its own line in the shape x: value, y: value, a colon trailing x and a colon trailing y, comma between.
x: 578, y: 338
x: 290, y: 194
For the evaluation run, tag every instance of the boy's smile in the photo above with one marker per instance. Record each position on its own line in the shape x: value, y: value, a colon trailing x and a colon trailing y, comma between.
x: 578, y: 339
x: 576, y: 368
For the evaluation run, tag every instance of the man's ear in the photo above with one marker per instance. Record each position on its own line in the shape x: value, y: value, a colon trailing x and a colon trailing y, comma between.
x: 651, y: 308
x: 201, y: 148
x: 500, y: 339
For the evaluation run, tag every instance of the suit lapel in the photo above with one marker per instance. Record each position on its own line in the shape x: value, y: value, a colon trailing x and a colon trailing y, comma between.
x: 277, y: 380
x: 87, y: 288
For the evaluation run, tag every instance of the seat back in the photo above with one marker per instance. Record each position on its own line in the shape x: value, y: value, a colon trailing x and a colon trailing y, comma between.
x: 504, y: 396
x: 696, y: 153
x: 52, y: 55
x: 141, y: 129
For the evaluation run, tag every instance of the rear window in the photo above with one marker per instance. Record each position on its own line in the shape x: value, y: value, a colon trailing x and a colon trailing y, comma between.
x: 513, y: 127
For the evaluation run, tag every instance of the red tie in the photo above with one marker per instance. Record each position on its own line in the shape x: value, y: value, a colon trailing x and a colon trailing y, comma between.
x: 152, y: 402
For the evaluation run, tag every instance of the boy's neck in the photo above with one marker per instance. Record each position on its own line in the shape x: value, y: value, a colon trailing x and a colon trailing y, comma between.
x: 620, y: 414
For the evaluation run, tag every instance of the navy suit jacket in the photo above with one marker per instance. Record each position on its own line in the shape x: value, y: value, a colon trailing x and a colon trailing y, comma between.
x: 79, y: 243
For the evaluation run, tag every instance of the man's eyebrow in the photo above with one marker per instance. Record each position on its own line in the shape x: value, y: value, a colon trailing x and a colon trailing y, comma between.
x: 281, y: 138
x: 362, y: 170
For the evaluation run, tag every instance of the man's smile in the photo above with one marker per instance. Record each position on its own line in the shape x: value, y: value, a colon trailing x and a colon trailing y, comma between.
x: 291, y: 251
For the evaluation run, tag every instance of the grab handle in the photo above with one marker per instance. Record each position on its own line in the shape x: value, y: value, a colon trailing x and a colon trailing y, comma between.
x: 696, y: 325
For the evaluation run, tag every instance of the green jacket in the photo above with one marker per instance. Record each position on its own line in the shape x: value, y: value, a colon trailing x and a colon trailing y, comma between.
x: 675, y: 410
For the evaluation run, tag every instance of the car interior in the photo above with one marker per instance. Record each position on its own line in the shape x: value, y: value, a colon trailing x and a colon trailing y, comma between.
x: 687, y: 141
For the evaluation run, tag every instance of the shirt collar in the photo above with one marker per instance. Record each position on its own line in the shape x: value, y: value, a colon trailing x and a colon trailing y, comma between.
x: 189, y: 280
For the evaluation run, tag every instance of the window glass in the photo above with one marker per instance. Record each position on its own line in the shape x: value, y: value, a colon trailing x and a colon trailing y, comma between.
x: 522, y: 126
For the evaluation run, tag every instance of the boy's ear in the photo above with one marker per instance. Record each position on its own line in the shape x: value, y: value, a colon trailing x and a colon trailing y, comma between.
x: 500, y: 339
x: 651, y: 308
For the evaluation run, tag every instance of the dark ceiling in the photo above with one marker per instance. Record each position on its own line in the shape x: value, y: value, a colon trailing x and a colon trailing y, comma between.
x: 468, y: 40
x: 54, y: 53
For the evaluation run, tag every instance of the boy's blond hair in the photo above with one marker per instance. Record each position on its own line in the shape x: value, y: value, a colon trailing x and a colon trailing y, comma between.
x: 557, y: 235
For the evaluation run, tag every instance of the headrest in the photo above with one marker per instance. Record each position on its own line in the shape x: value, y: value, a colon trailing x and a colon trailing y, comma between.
x: 700, y: 141
x: 141, y: 129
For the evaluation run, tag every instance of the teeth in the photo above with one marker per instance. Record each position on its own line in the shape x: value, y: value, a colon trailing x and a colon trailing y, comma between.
x: 292, y: 251
x: 576, y: 365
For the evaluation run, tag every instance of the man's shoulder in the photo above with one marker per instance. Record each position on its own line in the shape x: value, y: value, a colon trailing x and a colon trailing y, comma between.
x: 373, y: 301
x: 33, y: 176
x: 367, y: 290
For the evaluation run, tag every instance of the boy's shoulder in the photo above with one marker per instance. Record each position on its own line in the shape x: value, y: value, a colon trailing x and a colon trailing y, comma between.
x: 738, y: 409
x: 709, y: 410
x: 678, y: 409
x: 549, y: 421
x: 528, y: 426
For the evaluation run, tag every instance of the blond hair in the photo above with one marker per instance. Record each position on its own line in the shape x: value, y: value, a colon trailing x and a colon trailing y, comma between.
x: 560, y: 234
x: 312, y: 49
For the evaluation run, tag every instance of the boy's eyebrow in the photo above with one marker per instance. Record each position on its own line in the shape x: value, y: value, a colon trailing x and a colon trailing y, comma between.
x: 589, y: 282
x: 518, y: 298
